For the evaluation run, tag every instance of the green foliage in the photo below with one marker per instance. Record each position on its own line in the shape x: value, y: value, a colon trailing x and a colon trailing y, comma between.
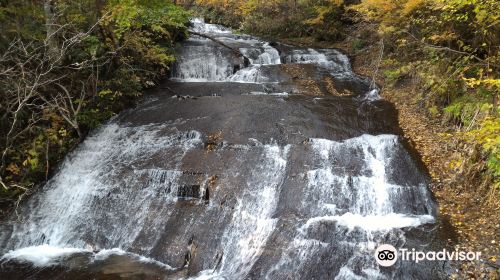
x: 468, y: 109
x: 451, y: 47
x: 21, y: 18
x: 394, y: 71
x: 118, y: 47
x: 321, y: 19
x: 155, y: 15
x: 358, y: 45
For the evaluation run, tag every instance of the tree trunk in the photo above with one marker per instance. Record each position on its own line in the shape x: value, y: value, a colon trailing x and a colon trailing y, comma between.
x: 49, y: 8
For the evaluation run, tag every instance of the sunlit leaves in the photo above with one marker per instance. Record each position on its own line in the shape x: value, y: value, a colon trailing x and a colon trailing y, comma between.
x: 158, y: 15
x: 451, y: 48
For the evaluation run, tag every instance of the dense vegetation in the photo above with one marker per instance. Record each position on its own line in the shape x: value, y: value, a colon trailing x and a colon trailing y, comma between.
x: 451, y: 49
x: 447, y: 49
x: 67, y: 66
x: 284, y: 18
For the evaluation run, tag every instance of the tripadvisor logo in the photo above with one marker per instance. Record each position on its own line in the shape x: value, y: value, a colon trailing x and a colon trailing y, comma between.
x: 387, y: 255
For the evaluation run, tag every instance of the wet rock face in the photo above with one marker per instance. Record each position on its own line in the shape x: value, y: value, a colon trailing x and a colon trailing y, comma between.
x: 189, y: 192
x: 287, y: 168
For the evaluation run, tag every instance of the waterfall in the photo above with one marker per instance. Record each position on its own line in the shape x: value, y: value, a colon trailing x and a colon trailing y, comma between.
x: 232, y: 174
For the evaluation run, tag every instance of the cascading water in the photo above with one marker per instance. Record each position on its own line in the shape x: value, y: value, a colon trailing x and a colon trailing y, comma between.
x: 286, y: 167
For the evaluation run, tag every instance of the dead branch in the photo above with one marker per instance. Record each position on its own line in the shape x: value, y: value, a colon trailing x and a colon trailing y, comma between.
x: 235, y: 51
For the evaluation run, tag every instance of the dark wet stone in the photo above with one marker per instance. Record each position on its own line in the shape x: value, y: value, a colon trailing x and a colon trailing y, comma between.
x: 189, y: 192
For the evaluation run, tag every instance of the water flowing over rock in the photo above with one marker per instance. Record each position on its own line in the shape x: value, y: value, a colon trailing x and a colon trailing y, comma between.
x: 289, y: 167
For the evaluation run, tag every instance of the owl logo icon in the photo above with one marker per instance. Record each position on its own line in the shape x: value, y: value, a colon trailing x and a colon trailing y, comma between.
x: 386, y: 255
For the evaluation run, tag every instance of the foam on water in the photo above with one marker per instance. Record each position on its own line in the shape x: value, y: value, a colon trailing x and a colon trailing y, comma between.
x: 107, y: 253
x: 40, y: 256
x: 247, y: 75
x: 46, y: 255
x: 373, y: 222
